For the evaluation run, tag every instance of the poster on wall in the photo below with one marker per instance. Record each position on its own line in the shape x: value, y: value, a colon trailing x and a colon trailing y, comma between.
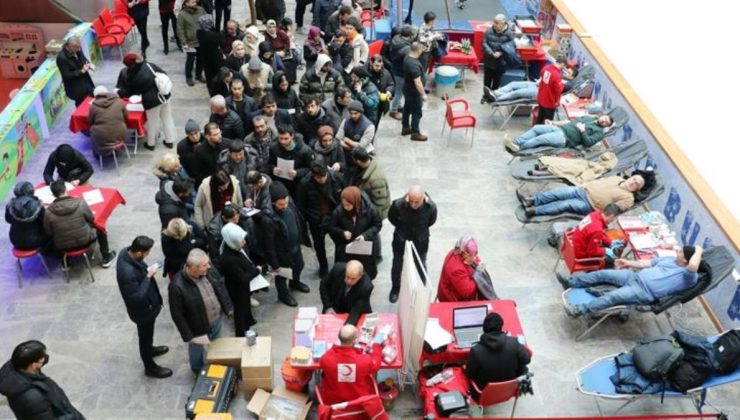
x: 21, y: 132
x: 47, y: 81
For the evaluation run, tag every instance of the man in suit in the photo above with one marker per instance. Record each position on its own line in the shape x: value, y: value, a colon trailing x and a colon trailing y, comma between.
x: 75, y: 69
x: 347, y: 289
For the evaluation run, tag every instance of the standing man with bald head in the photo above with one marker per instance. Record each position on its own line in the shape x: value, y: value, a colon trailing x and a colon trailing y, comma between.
x: 75, y: 69
x: 412, y: 215
x: 347, y: 289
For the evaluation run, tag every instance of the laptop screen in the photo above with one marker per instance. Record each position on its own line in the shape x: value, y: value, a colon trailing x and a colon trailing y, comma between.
x: 472, y: 316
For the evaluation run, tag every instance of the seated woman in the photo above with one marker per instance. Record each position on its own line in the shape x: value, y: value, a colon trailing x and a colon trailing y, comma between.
x: 214, y: 192
x: 252, y: 40
x: 355, y: 219
x: 456, y: 281
x: 583, y: 132
x: 586, y: 198
x: 25, y: 214
x: 107, y: 121
x: 71, y: 166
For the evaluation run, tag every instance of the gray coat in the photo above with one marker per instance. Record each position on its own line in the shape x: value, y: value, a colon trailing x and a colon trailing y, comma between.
x: 492, y: 42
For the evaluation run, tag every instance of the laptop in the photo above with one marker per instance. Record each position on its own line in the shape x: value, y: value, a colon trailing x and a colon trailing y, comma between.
x: 467, y: 324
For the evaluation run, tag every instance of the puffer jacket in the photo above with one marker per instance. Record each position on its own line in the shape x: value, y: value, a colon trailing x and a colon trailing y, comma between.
x: 35, y: 397
x: 70, y: 223
x: 286, y: 99
x: 187, y: 25
x: 328, y: 156
x: 107, y: 122
x: 139, y: 80
x: 239, y: 170
x: 492, y: 42
x: 25, y: 215
x: 170, y: 205
x: 301, y: 155
x: 383, y: 80
x: 232, y: 126
x: 369, y: 97
x: 399, y: 48
x: 311, y: 82
x: 374, y: 183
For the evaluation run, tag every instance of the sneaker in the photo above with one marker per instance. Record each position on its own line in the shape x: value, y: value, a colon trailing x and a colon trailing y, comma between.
x: 108, y: 259
x: 254, y: 302
x: 395, y: 115
x: 564, y: 281
x: 526, y: 202
x: 190, y: 82
x: 418, y: 137
x: 405, y: 131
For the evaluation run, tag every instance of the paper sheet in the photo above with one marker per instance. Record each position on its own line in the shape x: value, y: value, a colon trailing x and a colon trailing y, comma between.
x: 258, y: 283
x: 435, y: 335
x: 285, y: 166
x: 631, y: 223
x: 643, y: 241
x: 93, y: 197
x: 44, y: 194
x: 251, y: 211
x: 359, y: 248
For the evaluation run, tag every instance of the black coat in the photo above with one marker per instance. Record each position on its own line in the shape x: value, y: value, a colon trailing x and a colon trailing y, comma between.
x: 302, y: 157
x: 35, y: 397
x: 139, y: 80
x: 176, y: 252
x: 170, y: 205
x: 368, y: 224
x: 77, y: 85
x: 412, y: 225
x: 206, y: 157
x: 211, y: 48
x: 244, y: 111
x: 309, y: 126
x: 188, y: 157
x: 80, y: 170
x: 186, y: 304
x: 236, y: 268
x: 25, y: 215
x: 496, y: 358
x: 140, y: 294
x: 231, y: 124
x: 354, y: 303
x: 383, y: 80
x: 274, y: 240
x: 308, y: 199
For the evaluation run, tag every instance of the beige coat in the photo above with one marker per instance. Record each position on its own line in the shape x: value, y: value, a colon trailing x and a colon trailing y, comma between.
x: 203, y: 204
x: 603, y: 192
x: 579, y: 171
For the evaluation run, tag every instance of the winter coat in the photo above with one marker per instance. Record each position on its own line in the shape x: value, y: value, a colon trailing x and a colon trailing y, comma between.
x: 232, y: 126
x: 374, y: 183
x: 360, y: 50
x: 308, y: 126
x: 70, y: 222
x: 80, y: 170
x: 107, y: 122
x: 139, y: 80
x: 412, y: 225
x: 281, y: 117
x: 261, y: 197
x: 272, y: 9
x: 456, y: 280
x: 322, y: 9
x: 25, y: 215
x: 237, y: 269
x: 286, y: 99
x: 170, y: 205
x: 605, y: 191
x: 212, y: 45
x: 176, y: 251
x: 187, y: 155
x: 354, y: 303
x: 187, y: 25
x: 77, y: 85
x: 239, y: 170
x: 206, y: 156
x: 139, y: 11
x: 262, y: 148
x: 367, y: 224
x: 399, y: 48
x: 310, y: 194
x: 311, y: 82
x: 229, y: 40
x: 589, y: 236
x: 330, y: 155
x: 593, y: 133
x: 35, y: 397
x: 492, y: 42
x: 186, y: 304
x: 243, y: 109
x: 274, y: 240
x: 301, y: 155
x: 203, y: 204
x: 384, y: 82
x: 280, y: 42
x: 496, y: 358
x: 370, y: 99
x: 140, y: 294
x: 331, y: 106
x: 341, y: 56
x: 235, y: 63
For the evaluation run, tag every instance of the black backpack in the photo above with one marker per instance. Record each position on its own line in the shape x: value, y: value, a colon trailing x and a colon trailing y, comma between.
x: 656, y: 357
x: 727, y: 350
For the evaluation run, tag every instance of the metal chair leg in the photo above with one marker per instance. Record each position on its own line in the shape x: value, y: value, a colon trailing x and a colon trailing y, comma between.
x: 89, y: 268
x: 19, y: 272
x: 100, y: 159
x: 65, y: 268
x: 593, y: 327
x: 115, y: 161
x: 472, y: 138
x: 46, y: 267
x: 125, y: 147
x: 513, y: 409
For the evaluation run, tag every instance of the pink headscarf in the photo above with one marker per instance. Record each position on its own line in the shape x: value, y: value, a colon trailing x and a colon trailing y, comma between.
x: 466, y: 243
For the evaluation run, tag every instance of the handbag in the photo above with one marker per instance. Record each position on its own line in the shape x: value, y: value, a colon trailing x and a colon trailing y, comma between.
x: 162, y: 82
x: 484, y: 283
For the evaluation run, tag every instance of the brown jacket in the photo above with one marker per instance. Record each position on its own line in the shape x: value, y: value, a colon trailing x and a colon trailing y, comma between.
x: 70, y: 222
x: 603, y: 192
x: 107, y: 122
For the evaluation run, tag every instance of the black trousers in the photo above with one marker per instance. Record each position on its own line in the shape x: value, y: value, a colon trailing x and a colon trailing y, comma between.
x: 165, y: 19
x: 146, y: 343
x: 193, y: 58
x: 492, y: 76
x: 240, y: 298
x: 399, y: 249
x: 296, y: 264
x: 318, y: 234
x: 223, y: 7
x: 103, y: 242
x: 545, y: 114
x: 141, y: 27
x: 300, y: 10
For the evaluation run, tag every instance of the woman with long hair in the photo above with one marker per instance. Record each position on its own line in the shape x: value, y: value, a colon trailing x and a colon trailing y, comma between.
x: 355, y: 219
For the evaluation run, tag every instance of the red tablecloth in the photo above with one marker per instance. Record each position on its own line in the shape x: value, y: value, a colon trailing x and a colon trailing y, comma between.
x: 135, y: 120
x: 576, y: 109
x: 443, y: 312
x: 630, y: 232
x: 479, y: 33
x: 327, y: 330
x: 101, y: 211
x: 457, y: 58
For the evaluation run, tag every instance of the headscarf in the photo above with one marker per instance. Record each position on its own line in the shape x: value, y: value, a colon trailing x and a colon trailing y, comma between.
x: 253, y: 47
x: 232, y: 235
x: 236, y: 44
x: 205, y: 22
x: 314, y: 41
x: 354, y: 196
x: 466, y: 243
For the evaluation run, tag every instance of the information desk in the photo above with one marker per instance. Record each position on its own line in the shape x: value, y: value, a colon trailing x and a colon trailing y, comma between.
x: 327, y: 330
x: 135, y: 120
x: 101, y: 205
x: 443, y: 312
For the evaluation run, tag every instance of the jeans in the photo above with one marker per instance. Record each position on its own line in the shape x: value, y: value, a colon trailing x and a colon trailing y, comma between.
x: 562, y: 200
x: 157, y: 118
x: 516, y: 90
x: 190, y: 59
x: 541, y: 135
x: 399, y: 249
x: 146, y: 340
x: 223, y: 7
x: 197, y: 352
x: 398, y: 95
x: 412, y: 111
x: 631, y: 290
x: 165, y: 19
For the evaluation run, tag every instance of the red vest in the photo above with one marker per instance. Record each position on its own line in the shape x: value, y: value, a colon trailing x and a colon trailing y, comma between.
x: 589, y: 237
x: 347, y: 373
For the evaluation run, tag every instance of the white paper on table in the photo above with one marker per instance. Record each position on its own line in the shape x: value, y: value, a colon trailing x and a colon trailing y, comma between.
x: 359, y: 248
x: 134, y: 107
x: 435, y: 335
x: 643, y: 241
x: 285, y: 165
x: 284, y: 272
x: 257, y: 283
x: 93, y: 197
x: 44, y: 194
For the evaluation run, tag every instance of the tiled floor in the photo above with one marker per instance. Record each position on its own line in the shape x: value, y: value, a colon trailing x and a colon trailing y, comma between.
x: 93, y: 345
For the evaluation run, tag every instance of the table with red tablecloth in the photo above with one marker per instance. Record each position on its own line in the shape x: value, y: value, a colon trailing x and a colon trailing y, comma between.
x: 459, y: 59
x: 633, y: 227
x: 443, y: 312
x: 135, y: 120
x: 102, y: 210
x: 327, y: 330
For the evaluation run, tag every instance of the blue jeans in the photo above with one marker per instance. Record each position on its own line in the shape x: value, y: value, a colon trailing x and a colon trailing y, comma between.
x: 516, y: 90
x: 398, y: 93
x: 631, y: 290
x: 541, y: 135
x: 562, y: 200
x: 197, y: 352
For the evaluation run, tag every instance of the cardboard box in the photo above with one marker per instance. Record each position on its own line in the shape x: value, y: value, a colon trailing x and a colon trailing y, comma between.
x: 251, y: 385
x: 214, y: 416
x: 227, y: 351
x: 256, y: 360
x: 280, y: 404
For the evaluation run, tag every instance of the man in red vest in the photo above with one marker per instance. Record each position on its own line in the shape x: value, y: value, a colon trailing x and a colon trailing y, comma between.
x: 548, y: 93
x: 589, y: 237
x: 347, y: 372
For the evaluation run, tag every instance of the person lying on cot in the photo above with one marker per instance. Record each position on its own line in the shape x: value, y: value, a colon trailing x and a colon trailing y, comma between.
x: 582, y: 132
x: 657, y: 278
x: 525, y: 89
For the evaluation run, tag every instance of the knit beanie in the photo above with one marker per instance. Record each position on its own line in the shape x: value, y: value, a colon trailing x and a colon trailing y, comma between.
x: 325, y: 130
x: 191, y: 126
x: 355, y: 106
x: 278, y: 191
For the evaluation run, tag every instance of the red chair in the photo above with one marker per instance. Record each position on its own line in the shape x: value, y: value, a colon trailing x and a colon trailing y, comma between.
x: 120, y: 11
x: 356, y: 409
x: 374, y: 48
x: 109, y: 39
x: 496, y: 393
x: 123, y: 21
x: 459, y: 118
x: 568, y: 254
x: 75, y: 253
x: 20, y: 255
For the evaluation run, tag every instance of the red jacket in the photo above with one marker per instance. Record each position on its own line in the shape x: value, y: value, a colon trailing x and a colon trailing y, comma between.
x: 551, y: 86
x: 589, y: 237
x: 347, y: 373
x: 456, y: 280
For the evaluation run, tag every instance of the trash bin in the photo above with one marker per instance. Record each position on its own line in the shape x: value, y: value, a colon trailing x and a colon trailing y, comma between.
x: 445, y: 78
x: 388, y: 393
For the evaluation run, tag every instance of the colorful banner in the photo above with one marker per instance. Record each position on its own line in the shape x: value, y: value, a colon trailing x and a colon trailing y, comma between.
x: 88, y: 41
x: 47, y: 81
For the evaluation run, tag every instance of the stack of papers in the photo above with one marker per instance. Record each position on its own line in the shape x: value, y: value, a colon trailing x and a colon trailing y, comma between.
x: 643, y: 241
x: 359, y: 248
x: 304, y: 332
x: 435, y: 335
